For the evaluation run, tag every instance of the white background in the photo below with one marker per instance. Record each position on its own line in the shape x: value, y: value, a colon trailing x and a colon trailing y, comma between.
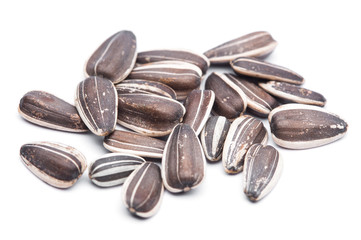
x: 44, y: 46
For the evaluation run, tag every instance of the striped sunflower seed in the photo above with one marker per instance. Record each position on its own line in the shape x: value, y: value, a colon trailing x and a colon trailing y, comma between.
x: 115, y: 58
x: 47, y: 110
x: 56, y: 164
x: 134, y: 143
x: 230, y: 101
x: 199, y: 60
x: 256, y: 44
x: 183, y: 162
x: 299, y: 126
x: 96, y: 101
x: 243, y: 133
x: 150, y: 115
x: 256, y: 68
x: 293, y: 93
x: 262, y: 170
x: 183, y: 77
x: 136, y: 86
x: 143, y: 190
x: 213, y: 136
x: 198, y: 106
x: 113, y: 168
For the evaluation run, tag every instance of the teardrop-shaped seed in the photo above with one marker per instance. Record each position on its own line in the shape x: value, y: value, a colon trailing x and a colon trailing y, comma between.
x: 134, y: 143
x: 151, y: 115
x: 96, y: 100
x: 47, y: 110
x: 293, y: 93
x: 113, y: 168
x: 257, y: 68
x: 115, y: 58
x: 199, y: 60
x: 259, y: 102
x: 183, y: 162
x: 256, y: 44
x: 143, y: 190
x: 56, y: 164
x: 243, y: 133
x: 299, y: 126
x: 213, y: 136
x: 198, y: 106
x: 145, y: 87
x: 230, y: 101
x: 262, y: 170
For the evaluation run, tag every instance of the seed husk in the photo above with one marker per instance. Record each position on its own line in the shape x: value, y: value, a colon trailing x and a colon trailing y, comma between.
x: 243, y: 133
x: 112, y: 169
x: 262, y: 170
x: 96, y: 100
x: 174, y: 55
x: 213, y: 136
x: 183, y: 162
x: 49, y: 111
x: 257, y: 68
x: 230, y: 100
x: 300, y: 126
x: 134, y: 143
x: 150, y: 115
x: 256, y: 44
x: 293, y: 93
x: 115, y: 58
x: 198, y: 106
x: 143, y: 190
x: 56, y: 164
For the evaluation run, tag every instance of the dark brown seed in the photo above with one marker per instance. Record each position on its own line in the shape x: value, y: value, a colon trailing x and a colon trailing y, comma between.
x: 261, y: 69
x: 150, y: 115
x: 299, y: 126
x: 257, y: 44
x: 183, y: 162
x: 262, y: 169
x: 46, y: 110
x: 243, y: 133
x: 96, y: 101
x: 143, y: 190
x: 230, y: 101
x: 198, y: 106
x: 134, y: 143
x: 56, y: 164
x: 115, y: 58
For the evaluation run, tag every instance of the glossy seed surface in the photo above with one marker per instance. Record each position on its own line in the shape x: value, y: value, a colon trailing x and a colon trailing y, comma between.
x: 136, y: 86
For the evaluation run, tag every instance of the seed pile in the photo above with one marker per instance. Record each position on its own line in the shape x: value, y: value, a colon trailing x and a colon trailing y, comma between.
x: 173, y: 125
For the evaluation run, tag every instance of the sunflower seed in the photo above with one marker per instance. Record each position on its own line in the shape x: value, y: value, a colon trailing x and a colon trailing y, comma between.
x: 56, y: 164
x: 230, y: 101
x: 299, y: 126
x: 134, y: 143
x: 143, y: 190
x: 256, y: 68
x: 183, y: 162
x: 150, y: 115
x: 256, y: 44
x: 198, y: 107
x: 262, y: 169
x: 113, y: 168
x: 96, y: 101
x: 115, y: 58
x: 183, y: 77
x: 292, y: 93
x: 259, y: 102
x: 199, y: 60
x: 243, y: 133
x: 46, y: 110
x: 213, y: 136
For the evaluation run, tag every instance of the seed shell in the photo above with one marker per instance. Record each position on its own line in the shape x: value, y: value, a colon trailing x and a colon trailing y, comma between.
x: 136, y: 86
x: 56, y: 164
x: 47, y: 110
